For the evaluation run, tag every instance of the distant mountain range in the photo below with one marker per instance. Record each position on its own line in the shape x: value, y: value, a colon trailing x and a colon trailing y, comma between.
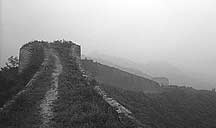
x: 154, y: 69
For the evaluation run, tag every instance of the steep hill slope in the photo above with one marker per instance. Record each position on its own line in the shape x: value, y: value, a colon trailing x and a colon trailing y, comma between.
x: 122, y: 64
x: 176, y: 108
x: 78, y: 105
x: 172, y: 107
x: 24, y: 109
x: 117, y: 78
x: 64, y: 94
x: 59, y: 95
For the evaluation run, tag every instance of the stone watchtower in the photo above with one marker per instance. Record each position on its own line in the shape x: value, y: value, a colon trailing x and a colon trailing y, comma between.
x: 31, y: 55
x: 75, y: 51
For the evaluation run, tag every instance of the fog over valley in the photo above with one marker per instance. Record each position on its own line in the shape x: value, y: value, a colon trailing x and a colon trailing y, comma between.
x: 171, y: 38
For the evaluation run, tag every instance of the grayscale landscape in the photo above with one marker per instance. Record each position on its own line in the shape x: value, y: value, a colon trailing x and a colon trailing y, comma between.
x: 107, y: 64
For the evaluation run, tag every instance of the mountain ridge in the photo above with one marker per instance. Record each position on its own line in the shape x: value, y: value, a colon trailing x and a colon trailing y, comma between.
x: 70, y: 92
x: 155, y: 69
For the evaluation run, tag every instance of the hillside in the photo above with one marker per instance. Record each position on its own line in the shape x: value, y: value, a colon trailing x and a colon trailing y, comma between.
x: 176, y: 108
x: 54, y: 88
x: 173, y: 107
x: 58, y: 95
x: 122, y: 64
x: 118, y: 78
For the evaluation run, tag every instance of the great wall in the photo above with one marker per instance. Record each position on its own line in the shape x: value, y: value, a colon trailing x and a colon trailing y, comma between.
x: 63, y: 91
x: 46, y: 57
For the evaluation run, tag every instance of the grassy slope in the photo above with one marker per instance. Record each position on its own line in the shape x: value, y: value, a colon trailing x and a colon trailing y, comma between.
x: 176, y: 108
x: 12, y: 82
x: 78, y: 105
x: 117, y: 78
x: 24, y: 113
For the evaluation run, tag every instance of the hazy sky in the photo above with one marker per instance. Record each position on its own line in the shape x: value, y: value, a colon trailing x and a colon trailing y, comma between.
x: 181, y: 32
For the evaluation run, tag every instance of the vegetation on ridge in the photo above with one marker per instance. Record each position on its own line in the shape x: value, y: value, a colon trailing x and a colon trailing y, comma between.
x: 23, y: 113
x: 11, y: 81
x: 78, y: 104
x: 170, y: 107
x: 176, y: 108
x: 117, y: 78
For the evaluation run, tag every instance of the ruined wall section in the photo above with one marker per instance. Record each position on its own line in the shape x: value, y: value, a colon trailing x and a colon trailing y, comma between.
x: 31, y: 55
x: 24, y: 58
x: 75, y: 51
x: 162, y: 81
x: 125, y: 115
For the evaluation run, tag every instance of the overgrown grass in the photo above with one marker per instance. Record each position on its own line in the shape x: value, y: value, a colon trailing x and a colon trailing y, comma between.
x: 11, y: 82
x: 24, y: 112
x: 177, y: 108
x: 78, y: 105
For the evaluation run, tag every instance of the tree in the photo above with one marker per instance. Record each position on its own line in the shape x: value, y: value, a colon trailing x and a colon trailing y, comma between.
x: 9, y: 79
x: 13, y: 62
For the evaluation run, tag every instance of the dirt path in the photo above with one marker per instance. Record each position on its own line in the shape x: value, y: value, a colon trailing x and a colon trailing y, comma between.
x: 51, y: 95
